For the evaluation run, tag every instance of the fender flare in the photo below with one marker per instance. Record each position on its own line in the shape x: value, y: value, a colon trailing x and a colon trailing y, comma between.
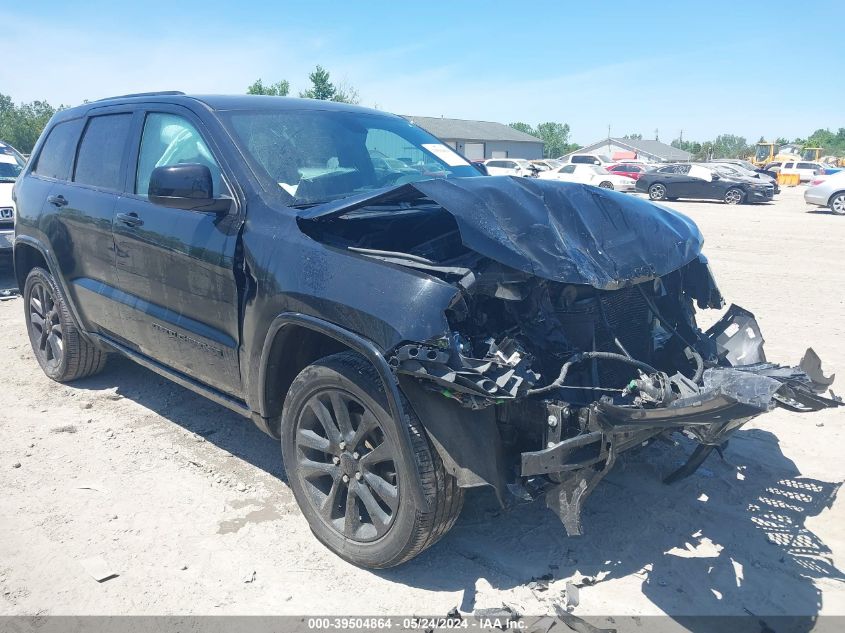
x: 369, y: 351
x: 52, y: 268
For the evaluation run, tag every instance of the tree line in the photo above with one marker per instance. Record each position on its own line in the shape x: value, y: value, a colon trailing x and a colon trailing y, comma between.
x: 21, y: 124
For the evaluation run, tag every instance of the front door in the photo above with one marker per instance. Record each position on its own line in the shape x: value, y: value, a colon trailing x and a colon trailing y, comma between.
x: 176, y: 267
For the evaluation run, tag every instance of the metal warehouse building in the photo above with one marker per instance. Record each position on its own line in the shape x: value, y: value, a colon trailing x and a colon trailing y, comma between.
x: 478, y: 140
x: 647, y: 150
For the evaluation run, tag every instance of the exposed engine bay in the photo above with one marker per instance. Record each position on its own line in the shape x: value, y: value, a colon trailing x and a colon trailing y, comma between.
x: 570, y: 363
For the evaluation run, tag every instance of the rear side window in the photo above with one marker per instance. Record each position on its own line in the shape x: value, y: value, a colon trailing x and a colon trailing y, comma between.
x: 56, y: 156
x: 101, y: 151
x: 583, y: 160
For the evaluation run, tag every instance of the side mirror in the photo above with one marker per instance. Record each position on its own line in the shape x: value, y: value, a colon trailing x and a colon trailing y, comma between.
x: 185, y: 186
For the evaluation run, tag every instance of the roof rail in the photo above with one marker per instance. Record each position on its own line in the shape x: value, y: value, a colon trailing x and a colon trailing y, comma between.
x: 160, y: 93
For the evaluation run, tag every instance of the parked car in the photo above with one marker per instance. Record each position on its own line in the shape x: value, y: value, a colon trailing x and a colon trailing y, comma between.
x: 590, y: 175
x: 8, y: 150
x: 629, y: 170
x: 546, y: 164
x: 806, y: 171
x: 586, y: 159
x: 828, y: 191
x: 510, y: 167
x: 402, y: 340
x: 686, y: 180
x: 732, y: 170
x: 10, y: 168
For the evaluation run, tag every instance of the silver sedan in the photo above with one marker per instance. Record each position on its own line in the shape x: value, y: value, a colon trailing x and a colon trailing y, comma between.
x: 830, y: 192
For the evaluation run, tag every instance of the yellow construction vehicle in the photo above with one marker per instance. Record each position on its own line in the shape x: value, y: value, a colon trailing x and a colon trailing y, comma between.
x: 765, y: 153
x: 812, y: 154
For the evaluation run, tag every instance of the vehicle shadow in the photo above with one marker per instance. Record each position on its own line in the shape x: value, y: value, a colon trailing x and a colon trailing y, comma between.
x: 821, y: 211
x: 730, y: 540
x: 218, y: 425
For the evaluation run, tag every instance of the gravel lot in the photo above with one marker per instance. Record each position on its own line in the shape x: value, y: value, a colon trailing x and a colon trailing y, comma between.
x: 187, y: 503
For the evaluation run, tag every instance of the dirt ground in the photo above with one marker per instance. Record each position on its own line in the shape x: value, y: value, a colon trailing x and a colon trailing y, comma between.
x: 187, y: 503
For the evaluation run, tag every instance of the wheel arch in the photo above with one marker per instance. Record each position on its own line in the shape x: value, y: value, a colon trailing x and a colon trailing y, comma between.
x: 303, y: 339
x: 30, y: 253
x: 833, y: 195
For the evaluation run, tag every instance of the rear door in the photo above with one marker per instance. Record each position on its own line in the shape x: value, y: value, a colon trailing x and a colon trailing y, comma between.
x: 176, y: 267
x: 80, y: 222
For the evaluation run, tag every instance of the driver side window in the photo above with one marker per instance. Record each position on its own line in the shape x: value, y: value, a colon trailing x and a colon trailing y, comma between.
x: 169, y: 139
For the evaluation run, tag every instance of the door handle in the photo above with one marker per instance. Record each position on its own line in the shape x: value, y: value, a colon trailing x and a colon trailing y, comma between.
x: 130, y: 219
x: 57, y: 201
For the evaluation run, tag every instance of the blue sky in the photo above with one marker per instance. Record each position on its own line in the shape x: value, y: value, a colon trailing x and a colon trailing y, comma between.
x: 706, y: 67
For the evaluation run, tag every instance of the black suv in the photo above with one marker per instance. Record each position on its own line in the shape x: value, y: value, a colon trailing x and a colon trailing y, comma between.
x: 407, y: 327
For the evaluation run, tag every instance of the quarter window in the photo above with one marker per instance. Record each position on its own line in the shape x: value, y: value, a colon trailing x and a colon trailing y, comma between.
x: 170, y: 139
x: 56, y: 156
x: 101, y: 151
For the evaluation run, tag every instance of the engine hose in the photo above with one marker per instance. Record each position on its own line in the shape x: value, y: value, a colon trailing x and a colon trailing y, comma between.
x: 692, y: 354
x: 578, y: 358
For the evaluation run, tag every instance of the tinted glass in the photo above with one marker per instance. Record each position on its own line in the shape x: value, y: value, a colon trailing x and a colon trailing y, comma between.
x: 56, y: 155
x: 169, y: 139
x: 807, y: 166
x: 101, y: 151
x: 9, y: 171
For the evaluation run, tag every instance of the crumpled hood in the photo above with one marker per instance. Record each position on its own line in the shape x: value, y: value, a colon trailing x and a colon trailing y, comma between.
x: 564, y: 232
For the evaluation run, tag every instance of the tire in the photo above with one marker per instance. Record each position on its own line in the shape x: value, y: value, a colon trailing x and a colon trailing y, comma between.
x: 62, y: 351
x: 657, y: 191
x: 317, y: 456
x: 734, y: 196
x: 605, y: 184
x: 837, y: 203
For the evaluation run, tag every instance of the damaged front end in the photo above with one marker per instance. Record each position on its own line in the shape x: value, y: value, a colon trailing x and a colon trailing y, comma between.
x: 572, y: 334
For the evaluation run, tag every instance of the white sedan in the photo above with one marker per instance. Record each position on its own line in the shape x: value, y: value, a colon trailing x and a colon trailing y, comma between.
x: 590, y: 175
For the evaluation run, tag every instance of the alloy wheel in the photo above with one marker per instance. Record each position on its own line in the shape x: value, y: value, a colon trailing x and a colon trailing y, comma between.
x: 346, y: 465
x: 657, y: 192
x: 45, y: 326
x: 733, y: 196
x: 837, y: 204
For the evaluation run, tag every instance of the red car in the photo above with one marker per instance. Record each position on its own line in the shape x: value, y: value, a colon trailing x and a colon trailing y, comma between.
x: 631, y: 170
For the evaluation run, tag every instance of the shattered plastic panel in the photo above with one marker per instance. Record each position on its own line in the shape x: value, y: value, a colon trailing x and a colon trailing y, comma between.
x: 742, y: 386
x: 564, y: 232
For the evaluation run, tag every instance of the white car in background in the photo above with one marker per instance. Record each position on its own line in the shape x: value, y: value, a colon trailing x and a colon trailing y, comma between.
x: 828, y: 191
x: 509, y: 167
x: 588, y: 159
x: 10, y: 167
x: 590, y: 175
x: 806, y: 171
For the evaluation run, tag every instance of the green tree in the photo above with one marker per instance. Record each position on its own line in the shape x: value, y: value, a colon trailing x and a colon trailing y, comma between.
x: 278, y: 89
x: 524, y: 127
x: 555, y: 137
x: 323, y: 88
x: 21, y: 125
x: 633, y: 137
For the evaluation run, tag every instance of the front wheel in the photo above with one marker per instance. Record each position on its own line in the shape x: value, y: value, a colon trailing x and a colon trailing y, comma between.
x: 657, y: 192
x: 733, y: 196
x: 837, y: 203
x: 347, y: 472
x: 60, y: 348
x: 605, y: 184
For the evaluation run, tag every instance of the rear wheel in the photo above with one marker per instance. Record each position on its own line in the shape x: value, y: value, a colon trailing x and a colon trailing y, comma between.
x: 657, y: 191
x: 60, y: 348
x: 733, y: 196
x: 347, y: 472
x: 606, y: 184
x: 837, y: 203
